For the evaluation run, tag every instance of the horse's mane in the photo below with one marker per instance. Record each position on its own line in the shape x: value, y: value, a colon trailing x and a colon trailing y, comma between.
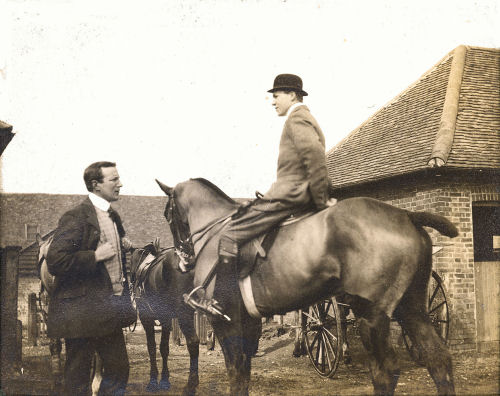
x: 216, y: 189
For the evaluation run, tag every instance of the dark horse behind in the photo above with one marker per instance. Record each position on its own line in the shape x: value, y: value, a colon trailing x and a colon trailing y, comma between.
x: 377, y: 255
x: 159, y: 286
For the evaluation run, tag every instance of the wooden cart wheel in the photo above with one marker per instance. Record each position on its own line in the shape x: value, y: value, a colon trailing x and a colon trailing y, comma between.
x: 438, y: 313
x: 323, y: 336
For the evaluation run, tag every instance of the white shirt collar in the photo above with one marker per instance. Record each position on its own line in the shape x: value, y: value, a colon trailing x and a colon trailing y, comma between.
x: 99, y: 202
x: 293, y: 107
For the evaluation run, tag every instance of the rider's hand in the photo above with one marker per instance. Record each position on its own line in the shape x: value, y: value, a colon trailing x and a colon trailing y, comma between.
x: 331, y: 202
x: 104, y: 252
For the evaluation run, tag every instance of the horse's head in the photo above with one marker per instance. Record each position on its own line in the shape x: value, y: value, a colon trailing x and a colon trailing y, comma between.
x: 192, y: 208
x: 176, y: 216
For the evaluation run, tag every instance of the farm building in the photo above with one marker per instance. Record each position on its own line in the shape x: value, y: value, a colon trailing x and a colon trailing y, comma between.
x: 436, y: 147
x: 25, y: 215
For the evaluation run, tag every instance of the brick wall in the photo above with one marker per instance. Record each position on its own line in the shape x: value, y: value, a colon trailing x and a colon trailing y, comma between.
x: 450, y: 195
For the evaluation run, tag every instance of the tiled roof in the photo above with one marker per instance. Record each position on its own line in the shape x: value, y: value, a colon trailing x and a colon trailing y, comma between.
x: 451, y: 112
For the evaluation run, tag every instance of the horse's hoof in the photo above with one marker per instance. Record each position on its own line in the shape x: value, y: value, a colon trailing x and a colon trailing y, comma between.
x: 152, y: 386
x: 188, y: 392
x: 347, y: 359
x: 164, y: 384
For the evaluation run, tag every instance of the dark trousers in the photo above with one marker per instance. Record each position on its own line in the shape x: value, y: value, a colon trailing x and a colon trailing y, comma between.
x: 79, y: 354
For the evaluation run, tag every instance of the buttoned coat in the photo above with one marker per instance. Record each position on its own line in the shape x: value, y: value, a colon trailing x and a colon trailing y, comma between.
x: 81, y: 305
x: 302, y: 177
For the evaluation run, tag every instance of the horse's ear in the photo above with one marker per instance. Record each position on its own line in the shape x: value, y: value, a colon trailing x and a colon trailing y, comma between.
x: 39, y: 239
x: 166, y: 189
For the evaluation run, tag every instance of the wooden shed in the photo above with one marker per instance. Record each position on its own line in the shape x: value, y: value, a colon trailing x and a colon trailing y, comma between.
x: 436, y: 147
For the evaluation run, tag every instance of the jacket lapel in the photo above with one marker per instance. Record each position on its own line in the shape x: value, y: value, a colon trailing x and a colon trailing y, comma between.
x: 91, y: 213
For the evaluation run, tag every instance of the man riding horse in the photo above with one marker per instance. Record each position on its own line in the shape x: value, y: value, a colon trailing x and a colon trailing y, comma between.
x: 301, y: 185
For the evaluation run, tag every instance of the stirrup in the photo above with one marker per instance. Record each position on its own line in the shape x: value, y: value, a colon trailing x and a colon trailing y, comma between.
x: 209, y: 306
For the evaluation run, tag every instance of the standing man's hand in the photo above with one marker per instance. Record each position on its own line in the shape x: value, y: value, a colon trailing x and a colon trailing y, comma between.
x: 127, y: 244
x: 104, y: 252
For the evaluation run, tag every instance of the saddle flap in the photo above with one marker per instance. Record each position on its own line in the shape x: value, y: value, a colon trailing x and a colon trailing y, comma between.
x: 255, y: 249
x: 142, y: 272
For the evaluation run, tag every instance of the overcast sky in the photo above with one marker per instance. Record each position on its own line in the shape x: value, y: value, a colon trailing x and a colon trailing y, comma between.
x: 177, y: 89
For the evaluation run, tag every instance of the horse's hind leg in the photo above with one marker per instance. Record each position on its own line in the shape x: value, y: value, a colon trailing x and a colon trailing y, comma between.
x: 186, y: 323
x: 431, y: 348
x: 374, y: 328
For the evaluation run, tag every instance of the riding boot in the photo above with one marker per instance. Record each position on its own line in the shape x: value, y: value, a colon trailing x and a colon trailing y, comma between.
x: 228, y: 256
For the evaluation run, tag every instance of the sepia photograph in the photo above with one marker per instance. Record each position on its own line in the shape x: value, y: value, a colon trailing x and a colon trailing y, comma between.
x: 249, y: 197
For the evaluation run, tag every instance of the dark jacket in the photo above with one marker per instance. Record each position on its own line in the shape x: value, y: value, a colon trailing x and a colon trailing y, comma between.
x: 82, y: 302
x: 302, y: 177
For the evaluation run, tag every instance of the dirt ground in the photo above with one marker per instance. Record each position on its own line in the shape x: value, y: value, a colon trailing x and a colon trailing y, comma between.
x: 274, y: 373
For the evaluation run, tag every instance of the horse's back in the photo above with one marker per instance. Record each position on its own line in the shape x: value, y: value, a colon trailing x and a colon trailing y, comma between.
x: 359, y: 246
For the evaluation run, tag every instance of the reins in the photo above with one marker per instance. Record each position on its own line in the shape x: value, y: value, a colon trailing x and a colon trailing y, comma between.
x: 184, y: 244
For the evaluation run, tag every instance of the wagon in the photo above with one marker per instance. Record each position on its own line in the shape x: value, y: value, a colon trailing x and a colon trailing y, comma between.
x: 325, y: 324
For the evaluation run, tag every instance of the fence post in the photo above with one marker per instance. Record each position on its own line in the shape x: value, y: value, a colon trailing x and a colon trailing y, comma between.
x: 176, y: 332
x: 32, y: 325
x: 9, y: 357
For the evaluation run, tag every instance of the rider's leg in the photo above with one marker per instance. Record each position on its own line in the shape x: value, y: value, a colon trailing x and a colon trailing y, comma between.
x: 228, y: 256
x: 240, y: 230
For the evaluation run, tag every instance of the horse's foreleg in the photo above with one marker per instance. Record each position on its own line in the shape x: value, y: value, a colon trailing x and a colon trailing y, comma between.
x: 236, y: 358
x: 164, y: 351
x: 96, y: 374
x: 431, y: 348
x: 374, y: 330
x: 186, y: 323
x: 149, y: 328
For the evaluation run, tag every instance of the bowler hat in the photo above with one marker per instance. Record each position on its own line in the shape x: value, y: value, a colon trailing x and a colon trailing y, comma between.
x: 288, y: 82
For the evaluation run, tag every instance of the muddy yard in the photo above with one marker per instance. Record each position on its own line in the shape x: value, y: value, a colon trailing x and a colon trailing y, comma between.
x: 274, y: 373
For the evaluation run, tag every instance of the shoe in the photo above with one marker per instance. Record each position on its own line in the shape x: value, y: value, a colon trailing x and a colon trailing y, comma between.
x: 208, y: 306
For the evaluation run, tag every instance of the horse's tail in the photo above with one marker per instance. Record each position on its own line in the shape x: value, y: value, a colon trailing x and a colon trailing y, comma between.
x: 439, y: 223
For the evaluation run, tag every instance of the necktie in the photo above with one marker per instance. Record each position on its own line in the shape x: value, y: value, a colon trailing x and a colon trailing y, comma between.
x: 113, y: 215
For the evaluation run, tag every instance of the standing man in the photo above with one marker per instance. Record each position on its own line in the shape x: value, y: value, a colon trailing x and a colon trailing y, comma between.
x: 91, y: 301
x: 302, y: 179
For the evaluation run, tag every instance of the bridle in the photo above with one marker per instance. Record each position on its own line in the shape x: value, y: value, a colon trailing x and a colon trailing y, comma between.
x: 181, y: 234
x: 184, y: 240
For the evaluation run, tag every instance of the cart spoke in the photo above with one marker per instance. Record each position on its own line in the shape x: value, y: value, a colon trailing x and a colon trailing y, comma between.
x: 437, y: 307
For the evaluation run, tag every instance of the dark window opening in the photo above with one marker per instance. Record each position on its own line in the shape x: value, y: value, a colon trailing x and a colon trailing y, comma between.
x: 486, y: 231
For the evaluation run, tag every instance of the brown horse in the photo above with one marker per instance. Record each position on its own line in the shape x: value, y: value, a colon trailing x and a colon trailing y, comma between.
x: 161, y: 287
x: 378, y: 256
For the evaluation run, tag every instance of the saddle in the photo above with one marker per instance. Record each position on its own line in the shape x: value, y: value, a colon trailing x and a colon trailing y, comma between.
x: 153, y: 256
x: 258, y: 247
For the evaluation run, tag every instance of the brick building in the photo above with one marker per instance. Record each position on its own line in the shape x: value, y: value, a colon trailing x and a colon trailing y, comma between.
x: 436, y: 147
x: 24, y: 215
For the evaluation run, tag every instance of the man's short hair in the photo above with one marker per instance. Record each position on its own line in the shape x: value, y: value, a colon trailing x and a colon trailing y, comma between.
x: 94, y: 172
x: 300, y: 97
